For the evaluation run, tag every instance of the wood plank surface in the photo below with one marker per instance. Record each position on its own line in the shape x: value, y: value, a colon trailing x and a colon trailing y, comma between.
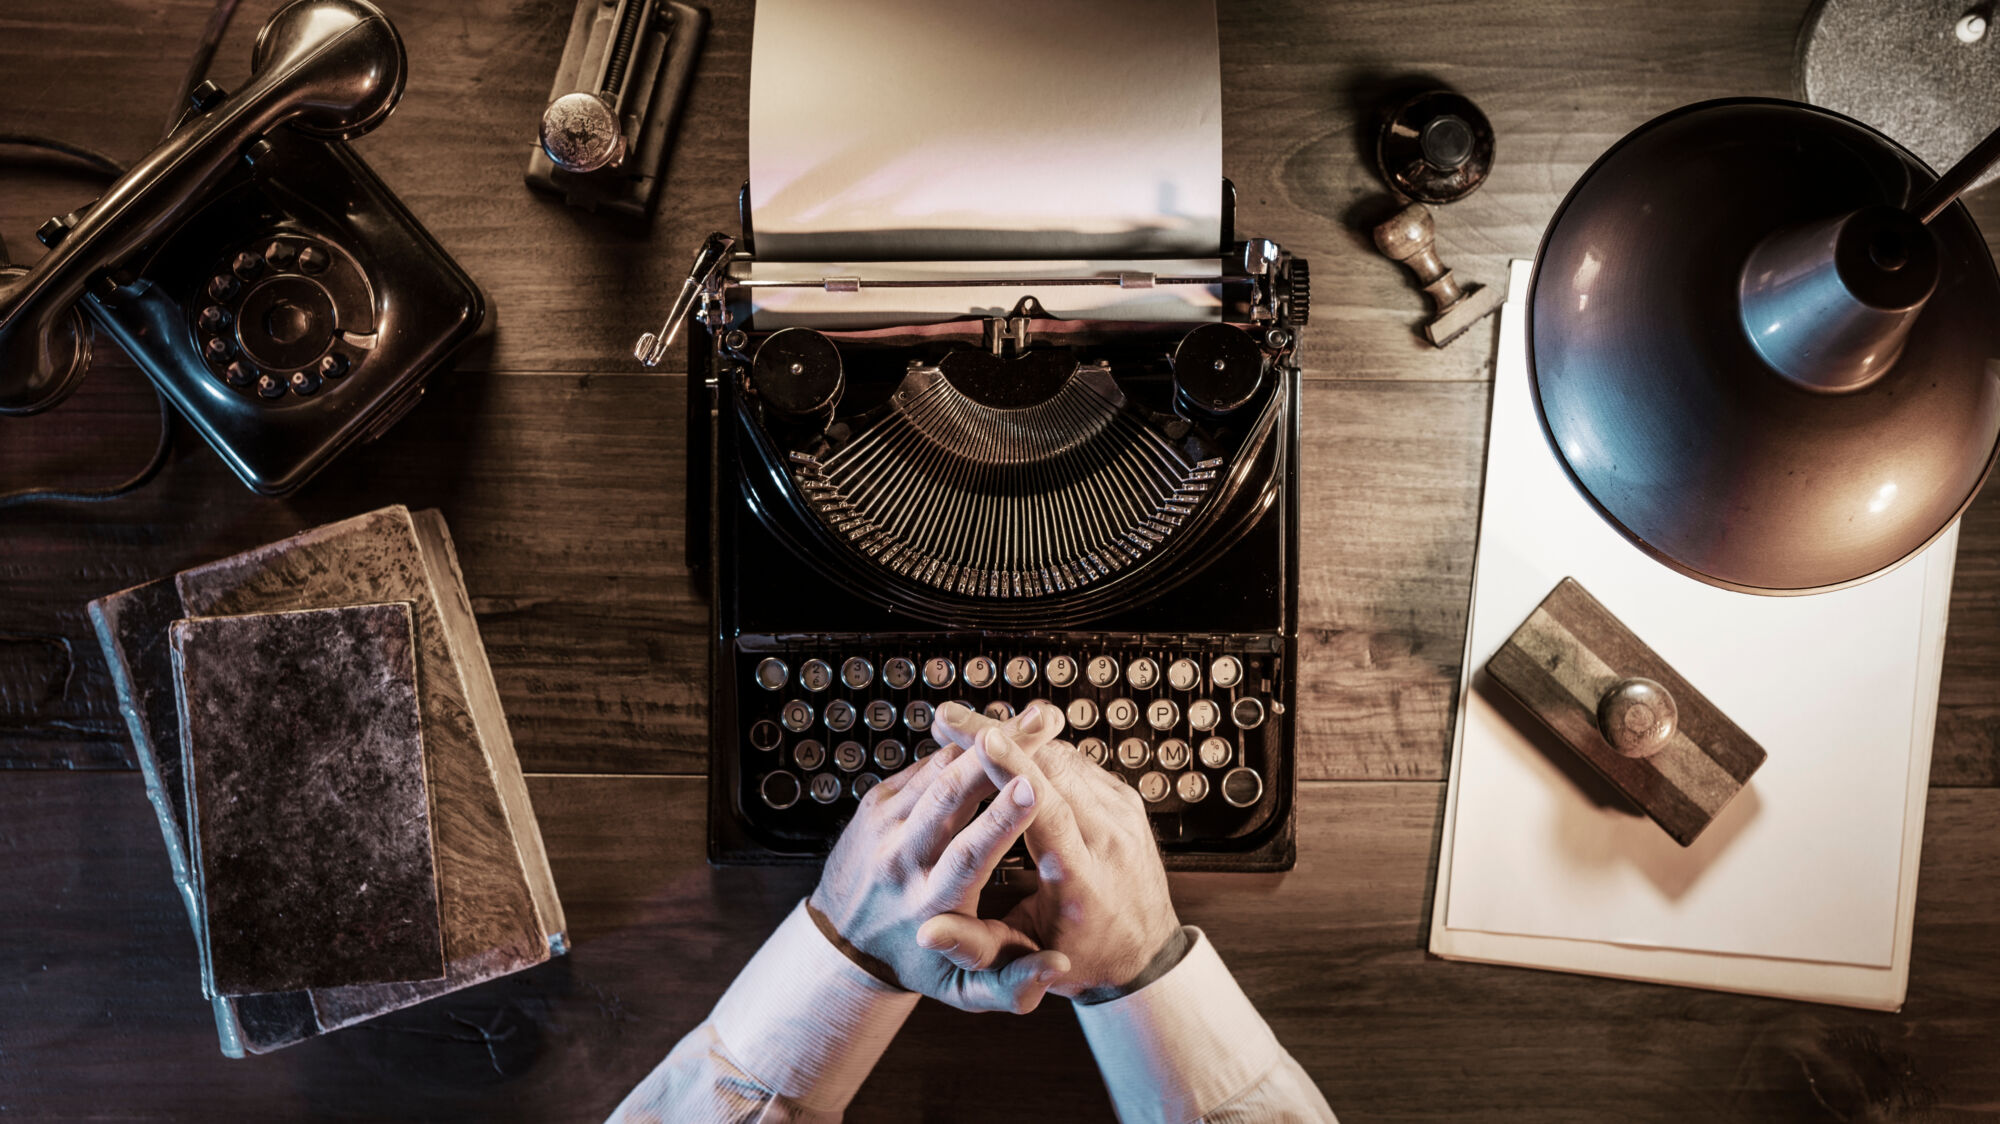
x: 104, y: 1020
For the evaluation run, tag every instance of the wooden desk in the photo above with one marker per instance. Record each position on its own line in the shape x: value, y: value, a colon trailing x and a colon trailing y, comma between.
x: 559, y: 467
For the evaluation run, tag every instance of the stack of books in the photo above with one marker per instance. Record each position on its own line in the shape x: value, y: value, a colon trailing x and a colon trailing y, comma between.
x: 324, y: 747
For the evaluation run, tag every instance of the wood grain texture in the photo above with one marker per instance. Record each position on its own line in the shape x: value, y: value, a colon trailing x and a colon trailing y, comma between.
x: 105, y: 1019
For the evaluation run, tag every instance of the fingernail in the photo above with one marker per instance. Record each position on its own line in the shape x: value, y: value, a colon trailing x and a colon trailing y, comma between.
x: 997, y: 743
x: 1046, y: 976
x: 1024, y: 793
x: 1031, y: 719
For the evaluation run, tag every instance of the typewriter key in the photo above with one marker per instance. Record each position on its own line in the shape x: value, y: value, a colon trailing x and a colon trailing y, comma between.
x: 1154, y: 787
x: 917, y: 716
x: 765, y: 735
x: 857, y: 673
x: 1095, y: 749
x: 1203, y: 714
x: 1241, y: 787
x: 1123, y: 714
x: 863, y: 783
x: 880, y: 715
x: 797, y: 716
x: 826, y: 788
x: 780, y: 790
x: 1175, y: 754
x: 1061, y: 671
x: 999, y: 710
x: 1216, y: 752
x: 772, y: 674
x: 899, y: 673
x: 1161, y: 714
x: 815, y: 675
x: 939, y: 672
x: 889, y: 754
x: 849, y: 756
x: 1183, y: 675
x: 927, y: 747
x: 839, y: 716
x: 1102, y: 671
x: 1193, y: 787
x: 980, y: 673
x: 1226, y: 672
x: 1248, y: 713
x: 1133, y: 753
x: 1142, y: 674
x: 808, y: 755
x: 1082, y: 714
x: 1021, y: 671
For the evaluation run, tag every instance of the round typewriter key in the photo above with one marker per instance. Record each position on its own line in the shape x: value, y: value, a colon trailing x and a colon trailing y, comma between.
x: 1183, y: 674
x: 1193, y: 787
x: 1082, y: 714
x: 999, y: 710
x: 1203, y: 714
x: 1247, y: 713
x: 1216, y: 752
x: 1021, y: 672
x: 880, y: 715
x: 1142, y: 674
x: 927, y: 747
x: 1102, y: 671
x: 765, y: 735
x: 857, y: 672
x: 1226, y: 671
x: 815, y: 675
x: 772, y: 673
x: 917, y: 716
x: 980, y: 673
x: 1123, y: 714
x: 826, y: 788
x: 780, y: 790
x: 1175, y: 754
x: 1241, y: 787
x: 863, y: 783
x: 1095, y: 749
x: 797, y: 716
x: 1133, y: 753
x: 890, y: 754
x: 939, y: 672
x: 1161, y: 714
x: 1061, y: 671
x: 899, y: 673
x: 808, y: 755
x: 1154, y: 787
x: 839, y: 716
x: 849, y: 756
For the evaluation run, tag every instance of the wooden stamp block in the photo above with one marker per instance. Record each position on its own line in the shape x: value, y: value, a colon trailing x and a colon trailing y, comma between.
x: 1625, y: 711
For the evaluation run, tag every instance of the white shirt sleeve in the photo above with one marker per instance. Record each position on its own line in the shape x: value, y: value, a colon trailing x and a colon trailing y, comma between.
x: 790, y: 1041
x: 1190, y: 1047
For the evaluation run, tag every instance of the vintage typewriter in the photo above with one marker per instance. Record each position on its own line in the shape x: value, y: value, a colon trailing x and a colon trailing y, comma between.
x: 995, y: 510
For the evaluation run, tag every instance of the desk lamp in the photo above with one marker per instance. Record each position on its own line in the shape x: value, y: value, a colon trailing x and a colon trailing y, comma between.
x: 1765, y: 344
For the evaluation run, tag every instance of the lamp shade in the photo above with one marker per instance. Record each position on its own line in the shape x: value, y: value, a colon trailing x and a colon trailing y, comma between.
x: 1751, y: 359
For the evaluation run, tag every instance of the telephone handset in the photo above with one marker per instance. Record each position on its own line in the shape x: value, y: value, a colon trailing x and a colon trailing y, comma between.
x: 255, y: 268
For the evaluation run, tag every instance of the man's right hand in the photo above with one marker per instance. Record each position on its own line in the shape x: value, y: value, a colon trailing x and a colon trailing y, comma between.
x: 1102, y: 898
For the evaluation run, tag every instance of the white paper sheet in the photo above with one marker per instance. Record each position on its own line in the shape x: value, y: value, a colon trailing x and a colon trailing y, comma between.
x: 817, y: 308
x: 885, y: 130
x: 1809, y: 862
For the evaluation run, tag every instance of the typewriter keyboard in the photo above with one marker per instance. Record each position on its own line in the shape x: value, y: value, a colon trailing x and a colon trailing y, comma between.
x: 1190, y: 726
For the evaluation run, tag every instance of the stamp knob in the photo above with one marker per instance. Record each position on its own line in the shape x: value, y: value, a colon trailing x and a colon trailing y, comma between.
x: 1638, y: 717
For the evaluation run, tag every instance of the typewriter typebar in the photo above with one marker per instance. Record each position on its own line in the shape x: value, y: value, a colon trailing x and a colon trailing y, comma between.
x: 996, y: 508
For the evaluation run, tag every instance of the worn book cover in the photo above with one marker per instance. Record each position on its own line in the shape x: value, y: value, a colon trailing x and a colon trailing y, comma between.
x: 304, y: 766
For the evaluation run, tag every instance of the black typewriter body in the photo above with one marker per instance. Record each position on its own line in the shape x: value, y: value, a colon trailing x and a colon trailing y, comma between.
x: 999, y: 510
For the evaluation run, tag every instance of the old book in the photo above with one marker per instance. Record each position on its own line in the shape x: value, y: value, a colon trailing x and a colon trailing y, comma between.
x: 304, y: 766
x: 132, y: 627
x: 495, y: 894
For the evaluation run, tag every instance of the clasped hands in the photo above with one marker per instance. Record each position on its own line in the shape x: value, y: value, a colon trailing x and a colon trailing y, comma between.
x: 900, y: 891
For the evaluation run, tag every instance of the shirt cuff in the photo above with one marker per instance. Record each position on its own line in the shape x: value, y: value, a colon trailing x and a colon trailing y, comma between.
x: 1182, y: 1045
x: 805, y: 1021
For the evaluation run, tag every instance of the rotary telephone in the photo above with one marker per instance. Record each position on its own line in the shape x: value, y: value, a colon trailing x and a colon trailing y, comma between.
x: 267, y: 282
